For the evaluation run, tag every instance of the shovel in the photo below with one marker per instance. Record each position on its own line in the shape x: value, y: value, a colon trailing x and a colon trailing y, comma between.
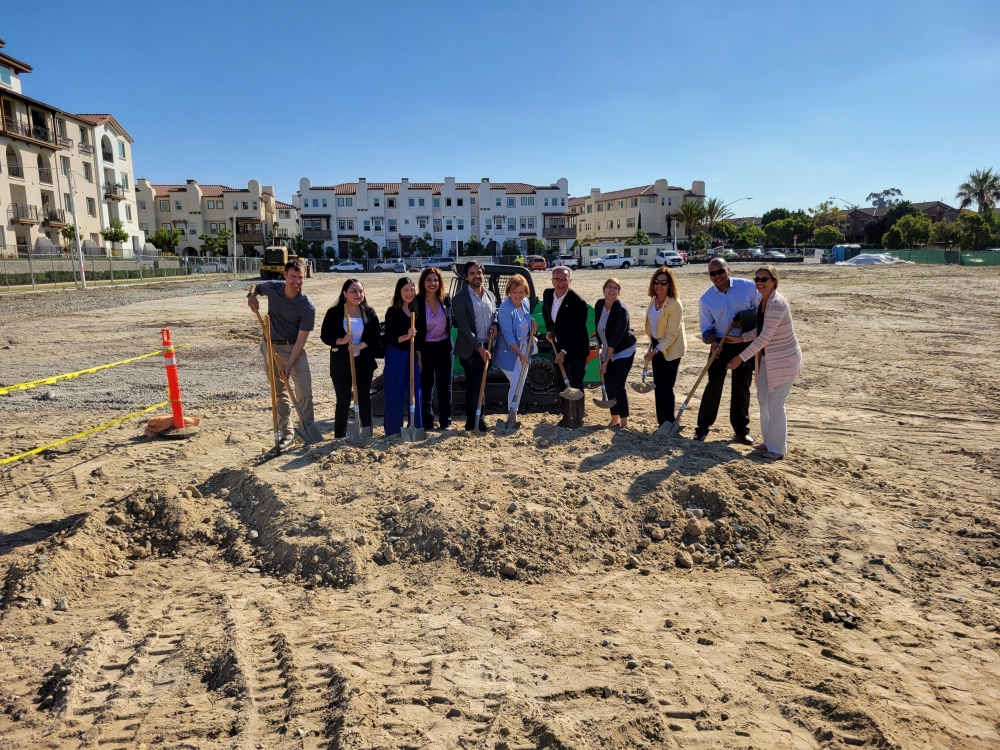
x: 355, y: 431
x: 673, y: 429
x: 310, y: 433
x: 644, y: 387
x: 270, y: 382
x: 572, y: 394
x: 412, y: 434
x: 604, y: 402
x: 511, y: 424
x: 482, y: 383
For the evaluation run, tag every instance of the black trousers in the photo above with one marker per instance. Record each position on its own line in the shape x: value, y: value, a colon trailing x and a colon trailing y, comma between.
x: 341, y: 376
x: 664, y: 376
x: 435, y: 365
x: 575, y: 370
x: 614, y: 382
x: 739, y: 400
x: 473, y: 367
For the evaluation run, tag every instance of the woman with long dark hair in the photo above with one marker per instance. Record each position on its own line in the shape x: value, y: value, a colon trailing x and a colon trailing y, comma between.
x: 614, y: 332
x: 396, y: 375
x: 665, y: 328
x: 434, y: 306
x: 364, y: 343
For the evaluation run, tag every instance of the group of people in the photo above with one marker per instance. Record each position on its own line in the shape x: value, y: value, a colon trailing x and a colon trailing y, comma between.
x: 741, y: 320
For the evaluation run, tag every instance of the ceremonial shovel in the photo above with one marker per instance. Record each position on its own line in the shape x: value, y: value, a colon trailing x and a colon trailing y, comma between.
x: 482, y: 383
x: 511, y: 424
x: 572, y: 394
x: 270, y: 382
x: 412, y: 434
x: 673, y: 429
x: 356, y: 431
x: 604, y: 402
x: 644, y: 387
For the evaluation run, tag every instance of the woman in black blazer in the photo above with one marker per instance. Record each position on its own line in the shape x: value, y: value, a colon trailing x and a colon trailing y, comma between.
x: 614, y: 331
x: 396, y: 373
x: 365, y: 344
x: 434, y: 306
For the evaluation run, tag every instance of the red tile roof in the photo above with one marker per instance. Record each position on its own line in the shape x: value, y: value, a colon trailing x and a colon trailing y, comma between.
x: 627, y: 193
x: 105, y: 118
x: 392, y: 188
x: 207, y: 191
x: 279, y: 204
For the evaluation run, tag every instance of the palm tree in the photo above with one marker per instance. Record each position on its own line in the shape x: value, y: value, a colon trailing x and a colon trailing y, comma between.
x: 690, y: 214
x: 715, y: 211
x: 982, y: 188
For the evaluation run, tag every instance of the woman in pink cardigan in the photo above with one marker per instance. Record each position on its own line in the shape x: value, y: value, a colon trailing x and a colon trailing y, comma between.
x: 775, y: 347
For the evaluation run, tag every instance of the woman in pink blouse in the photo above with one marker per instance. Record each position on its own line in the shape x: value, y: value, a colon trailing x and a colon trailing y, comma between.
x: 778, y: 361
x: 433, y: 304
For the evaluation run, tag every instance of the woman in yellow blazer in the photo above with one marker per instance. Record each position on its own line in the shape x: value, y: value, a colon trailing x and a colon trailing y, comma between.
x: 665, y: 328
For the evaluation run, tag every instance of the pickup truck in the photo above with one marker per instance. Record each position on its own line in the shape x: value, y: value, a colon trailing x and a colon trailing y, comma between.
x: 611, y: 260
x: 668, y: 258
x: 390, y: 264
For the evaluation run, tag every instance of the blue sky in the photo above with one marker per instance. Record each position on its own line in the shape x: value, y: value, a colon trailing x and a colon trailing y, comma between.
x: 787, y: 102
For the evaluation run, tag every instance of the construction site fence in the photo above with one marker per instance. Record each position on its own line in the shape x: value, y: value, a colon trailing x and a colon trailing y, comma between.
x: 36, y: 272
x: 952, y: 257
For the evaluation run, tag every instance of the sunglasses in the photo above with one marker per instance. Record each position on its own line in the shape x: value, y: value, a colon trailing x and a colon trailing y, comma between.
x: 661, y: 283
x: 717, y: 272
x: 762, y: 279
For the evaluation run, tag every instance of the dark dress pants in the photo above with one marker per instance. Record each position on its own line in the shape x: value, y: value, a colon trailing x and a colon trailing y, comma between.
x: 436, y: 359
x: 575, y: 371
x: 473, y: 367
x: 739, y: 400
x: 664, y: 376
x: 341, y: 376
x: 614, y: 383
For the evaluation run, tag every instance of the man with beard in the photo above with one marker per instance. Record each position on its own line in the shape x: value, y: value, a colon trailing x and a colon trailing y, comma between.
x: 475, y: 311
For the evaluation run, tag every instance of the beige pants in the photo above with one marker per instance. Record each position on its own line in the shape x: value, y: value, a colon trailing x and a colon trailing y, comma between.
x: 301, y: 382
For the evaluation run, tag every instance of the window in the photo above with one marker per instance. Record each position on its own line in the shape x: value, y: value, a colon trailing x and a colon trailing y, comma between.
x: 598, y: 226
x: 192, y: 229
x: 236, y: 206
x: 524, y: 223
x: 368, y: 225
x: 88, y: 172
x: 324, y: 203
x: 651, y: 199
x: 64, y: 165
x: 563, y: 201
x: 629, y: 223
x: 498, y: 203
x: 643, y: 251
x: 142, y: 205
x: 211, y: 204
x: 471, y: 221
x: 410, y: 202
x: 246, y: 205
x: 340, y: 201
x: 67, y: 202
x: 392, y: 225
x: 283, y: 214
x: 511, y: 202
x: 437, y: 203
x: 421, y: 202
x: 213, y: 228
x: 422, y: 223
x: 600, y: 207
x: 447, y: 201
x: 511, y: 225
x: 589, y: 206
x: 619, y: 224
x: 177, y: 206
x: 524, y: 200
x: 390, y: 202
x: 5, y: 75
x: 546, y: 201
x: 531, y: 222
x: 91, y: 207
x: 378, y: 225
x: 375, y: 201
x: 350, y: 225
x: 611, y: 205
x: 93, y: 235
x: 166, y: 226
x: 350, y: 202
x: 447, y: 224
x: 489, y: 223
x: 164, y: 205
x: 406, y: 221
x: 121, y: 150
x: 472, y: 202
x: 255, y: 205
x: 531, y: 200
x: 634, y: 202
x: 670, y: 201
x: 128, y: 212
x: 124, y: 180
x: 144, y: 228
x: 343, y: 225
x: 393, y: 246
x: 437, y: 225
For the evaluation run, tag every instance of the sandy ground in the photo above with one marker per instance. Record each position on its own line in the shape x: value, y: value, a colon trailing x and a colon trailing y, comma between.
x: 506, y: 592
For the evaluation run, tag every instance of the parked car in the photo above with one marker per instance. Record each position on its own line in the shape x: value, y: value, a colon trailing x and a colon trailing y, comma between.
x: 215, y: 268
x: 668, y: 258
x: 611, y: 260
x: 535, y: 263
x: 566, y: 260
x: 346, y: 266
x: 440, y: 261
x: 390, y: 264
x: 773, y: 254
x: 756, y: 252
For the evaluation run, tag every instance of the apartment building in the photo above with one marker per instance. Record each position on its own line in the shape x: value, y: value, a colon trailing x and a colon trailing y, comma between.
x: 52, y: 159
x: 392, y: 214
x: 859, y: 218
x: 252, y: 213
x: 615, y: 216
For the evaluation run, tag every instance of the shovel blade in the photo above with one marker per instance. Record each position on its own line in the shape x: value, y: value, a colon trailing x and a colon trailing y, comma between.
x: 605, y: 404
x: 366, y: 433
x: 572, y: 394
x: 312, y: 434
x: 643, y: 387
x: 407, y: 434
x: 419, y: 433
x: 670, y: 429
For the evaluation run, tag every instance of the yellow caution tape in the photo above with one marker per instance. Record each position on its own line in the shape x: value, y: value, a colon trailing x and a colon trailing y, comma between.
x: 70, y: 375
x: 79, y: 435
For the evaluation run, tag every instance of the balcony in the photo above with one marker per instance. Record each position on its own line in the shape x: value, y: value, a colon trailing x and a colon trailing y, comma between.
x: 21, y: 213
x: 54, y: 217
x: 45, y: 175
x: 314, y: 235
x: 64, y: 141
x: 23, y: 130
x: 250, y: 238
x: 14, y: 169
x: 559, y: 233
x: 85, y: 148
x: 113, y: 191
x: 108, y: 157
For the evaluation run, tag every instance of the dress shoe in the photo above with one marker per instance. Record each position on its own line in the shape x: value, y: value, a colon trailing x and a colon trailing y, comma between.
x: 700, y: 436
x: 744, y: 439
x: 483, y: 427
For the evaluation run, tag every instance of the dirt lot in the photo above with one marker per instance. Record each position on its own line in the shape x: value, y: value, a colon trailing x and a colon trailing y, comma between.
x: 506, y: 592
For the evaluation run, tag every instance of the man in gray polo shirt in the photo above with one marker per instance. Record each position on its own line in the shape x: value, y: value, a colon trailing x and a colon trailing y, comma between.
x: 293, y: 316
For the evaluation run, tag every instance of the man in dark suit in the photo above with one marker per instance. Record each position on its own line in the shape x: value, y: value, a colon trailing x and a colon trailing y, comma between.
x: 475, y: 309
x: 565, y: 315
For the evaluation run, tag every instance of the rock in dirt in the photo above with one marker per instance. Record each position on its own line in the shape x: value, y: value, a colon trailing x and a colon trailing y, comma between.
x: 508, y: 569
x: 45, y: 603
x: 694, y: 528
x: 62, y: 605
x: 195, y: 492
x: 683, y: 559
x: 117, y: 519
x: 387, y: 554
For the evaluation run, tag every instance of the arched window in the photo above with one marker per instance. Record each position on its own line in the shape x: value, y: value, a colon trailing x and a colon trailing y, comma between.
x: 13, y: 163
x: 107, y: 153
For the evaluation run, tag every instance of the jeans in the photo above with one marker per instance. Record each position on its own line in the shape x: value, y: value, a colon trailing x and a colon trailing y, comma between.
x: 396, y: 377
x: 739, y: 401
x: 773, y: 423
x: 436, y: 365
x: 664, y: 376
x: 614, y: 383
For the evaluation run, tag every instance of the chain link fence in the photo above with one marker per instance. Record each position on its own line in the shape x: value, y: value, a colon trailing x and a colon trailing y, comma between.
x: 27, y: 270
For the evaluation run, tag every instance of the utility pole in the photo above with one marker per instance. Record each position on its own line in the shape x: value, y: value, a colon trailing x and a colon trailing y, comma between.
x: 76, y: 227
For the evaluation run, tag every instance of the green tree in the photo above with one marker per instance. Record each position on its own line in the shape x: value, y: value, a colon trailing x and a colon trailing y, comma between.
x: 422, y: 247
x: 316, y: 249
x: 510, y: 247
x: 884, y: 198
x: 783, y: 232
x: 208, y: 244
x: 944, y: 233
x: 893, y: 239
x: 748, y: 235
x: 165, y: 239
x: 115, y: 234
x: 639, y: 238
x: 691, y: 214
x: 362, y: 247
x: 537, y: 246
x: 915, y: 230
x: 982, y: 188
x: 898, y: 211
x: 223, y: 238
x: 724, y: 230
x: 826, y: 214
x: 775, y: 214
x: 828, y: 236
x: 973, y: 232
x: 473, y: 246
x: 331, y: 253
x: 715, y: 211
x: 68, y: 233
